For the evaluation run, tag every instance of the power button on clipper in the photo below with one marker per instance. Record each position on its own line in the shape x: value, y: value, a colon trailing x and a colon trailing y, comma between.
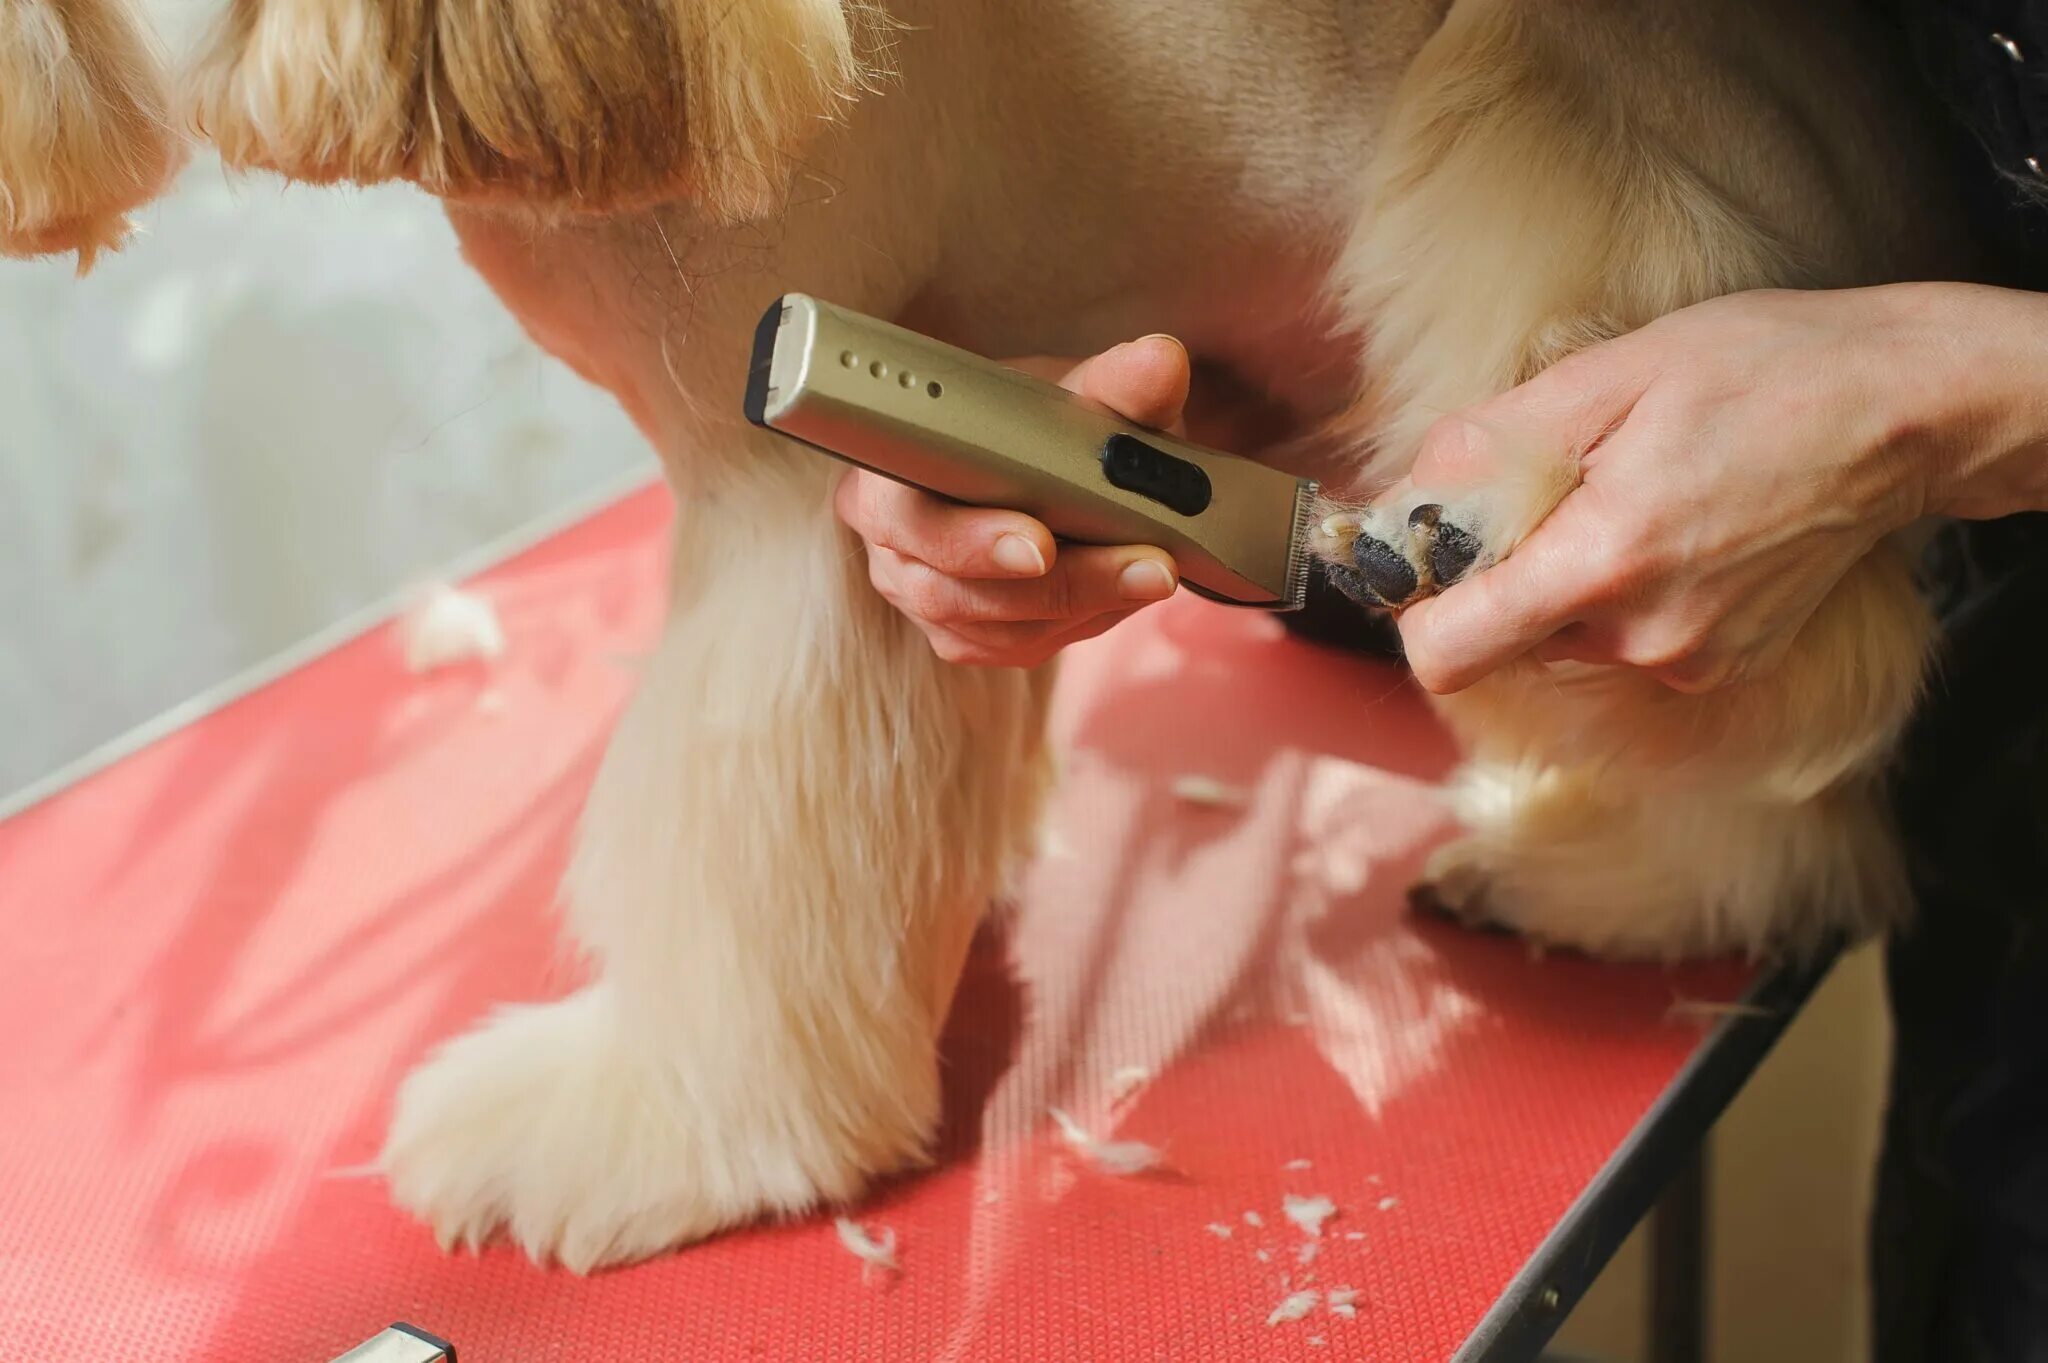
x: 1134, y: 466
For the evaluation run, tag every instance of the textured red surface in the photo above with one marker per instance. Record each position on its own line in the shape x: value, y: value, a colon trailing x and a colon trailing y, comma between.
x: 221, y: 954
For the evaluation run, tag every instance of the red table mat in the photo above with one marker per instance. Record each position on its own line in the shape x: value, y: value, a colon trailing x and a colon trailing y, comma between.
x: 221, y: 953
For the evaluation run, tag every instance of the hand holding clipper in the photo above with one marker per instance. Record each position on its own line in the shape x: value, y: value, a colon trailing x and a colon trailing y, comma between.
x: 938, y: 418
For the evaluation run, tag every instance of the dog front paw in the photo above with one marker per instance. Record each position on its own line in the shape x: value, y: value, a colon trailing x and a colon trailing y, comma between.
x: 1456, y: 885
x: 584, y: 1150
x: 1390, y: 558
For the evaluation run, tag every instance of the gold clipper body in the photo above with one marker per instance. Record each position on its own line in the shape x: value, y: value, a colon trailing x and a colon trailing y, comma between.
x: 937, y: 417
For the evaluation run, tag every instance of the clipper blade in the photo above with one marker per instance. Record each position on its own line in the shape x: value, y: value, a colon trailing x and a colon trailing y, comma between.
x: 1298, y: 565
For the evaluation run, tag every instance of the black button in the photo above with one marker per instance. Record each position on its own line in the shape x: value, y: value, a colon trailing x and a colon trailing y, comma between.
x: 1134, y: 466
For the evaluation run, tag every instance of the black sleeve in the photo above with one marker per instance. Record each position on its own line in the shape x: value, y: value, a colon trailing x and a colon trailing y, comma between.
x: 1984, y: 65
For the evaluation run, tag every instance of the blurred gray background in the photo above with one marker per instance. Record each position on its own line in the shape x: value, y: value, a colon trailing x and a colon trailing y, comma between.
x: 277, y: 408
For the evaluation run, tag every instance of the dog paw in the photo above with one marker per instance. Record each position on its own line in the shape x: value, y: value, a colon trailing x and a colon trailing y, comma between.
x: 544, y: 1124
x: 1455, y: 885
x: 1390, y: 557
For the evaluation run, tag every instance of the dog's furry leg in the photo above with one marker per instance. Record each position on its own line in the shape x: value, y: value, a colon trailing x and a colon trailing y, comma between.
x: 793, y: 834
x: 1572, y: 859
x: 84, y: 131
x: 1539, y: 189
x: 553, y: 106
x: 1517, y: 213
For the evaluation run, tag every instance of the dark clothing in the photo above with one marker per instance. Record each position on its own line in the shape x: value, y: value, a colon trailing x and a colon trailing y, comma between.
x: 1985, y: 64
x: 1959, y: 1237
x: 1986, y: 61
x: 1960, y: 1234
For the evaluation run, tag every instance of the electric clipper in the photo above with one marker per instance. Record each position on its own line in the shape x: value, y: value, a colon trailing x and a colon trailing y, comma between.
x: 937, y: 417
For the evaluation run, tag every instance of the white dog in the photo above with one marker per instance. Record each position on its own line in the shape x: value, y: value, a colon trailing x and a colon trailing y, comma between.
x: 1371, y: 212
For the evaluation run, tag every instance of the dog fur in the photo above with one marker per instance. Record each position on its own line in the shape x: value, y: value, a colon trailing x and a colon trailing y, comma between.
x: 1369, y: 212
x: 85, y: 132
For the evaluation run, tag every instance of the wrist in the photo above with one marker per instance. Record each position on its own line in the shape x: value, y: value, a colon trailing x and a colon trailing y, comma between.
x: 1975, y: 395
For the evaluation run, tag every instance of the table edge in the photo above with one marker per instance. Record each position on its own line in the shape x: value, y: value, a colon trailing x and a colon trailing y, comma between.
x: 601, y: 495
x: 1542, y: 1294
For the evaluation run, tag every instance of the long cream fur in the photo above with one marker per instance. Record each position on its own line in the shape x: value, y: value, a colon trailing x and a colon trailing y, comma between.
x: 1371, y: 212
x: 1526, y: 202
x: 85, y: 134
x: 554, y: 105
x: 776, y: 946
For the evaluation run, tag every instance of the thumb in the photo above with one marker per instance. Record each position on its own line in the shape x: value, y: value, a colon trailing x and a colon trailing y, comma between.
x: 1498, y: 615
x: 1145, y: 380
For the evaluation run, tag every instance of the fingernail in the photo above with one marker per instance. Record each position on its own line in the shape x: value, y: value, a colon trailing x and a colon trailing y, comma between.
x: 1016, y: 554
x: 1144, y: 580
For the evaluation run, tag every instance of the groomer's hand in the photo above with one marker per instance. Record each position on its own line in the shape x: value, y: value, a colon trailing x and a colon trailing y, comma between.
x: 993, y: 588
x: 1740, y: 456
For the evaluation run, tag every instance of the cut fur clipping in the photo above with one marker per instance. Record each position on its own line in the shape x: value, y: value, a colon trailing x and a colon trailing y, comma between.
x: 84, y: 135
x: 873, y: 1251
x: 1308, y: 1213
x: 1712, y: 1010
x: 447, y: 626
x: 554, y: 105
x: 1196, y: 789
x: 1294, y: 1306
x: 1122, y: 1158
x: 1126, y: 1081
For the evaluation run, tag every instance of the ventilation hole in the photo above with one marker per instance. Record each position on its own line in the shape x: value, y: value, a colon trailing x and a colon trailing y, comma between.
x: 933, y: 388
x: 848, y: 358
x: 878, y: 369
x: 907, y: 379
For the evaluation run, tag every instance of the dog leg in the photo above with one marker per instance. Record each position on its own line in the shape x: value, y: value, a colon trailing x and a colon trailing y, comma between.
x: 1517, y: 211
x: 793, y: 834
x: 1538, y: 189
x: 1572, y: 860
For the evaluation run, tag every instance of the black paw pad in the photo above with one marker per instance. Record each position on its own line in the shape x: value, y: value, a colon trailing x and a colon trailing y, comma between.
x: 1452, y: 550
x: 1453, y: 554
x: 1385, y: 570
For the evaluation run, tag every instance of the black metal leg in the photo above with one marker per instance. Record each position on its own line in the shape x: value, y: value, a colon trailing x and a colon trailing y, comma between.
x: 1678, y: 1267
x: 1662, y: 1153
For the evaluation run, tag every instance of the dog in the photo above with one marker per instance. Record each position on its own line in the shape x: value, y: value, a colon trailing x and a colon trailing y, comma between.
x: 1369, y: 213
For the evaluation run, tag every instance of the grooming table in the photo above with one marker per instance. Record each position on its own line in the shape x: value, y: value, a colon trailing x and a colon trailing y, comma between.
x: 222, y: 951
